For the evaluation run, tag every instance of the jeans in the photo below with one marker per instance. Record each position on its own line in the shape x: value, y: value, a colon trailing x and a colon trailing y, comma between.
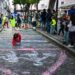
x: 43, y: 25
x: 48, y: 27
x: 0, y: 25
x: 34, y: 23
x: 66, y: 37
x: 61, y: 30
x: 53, y: 29
x: 72, y: 37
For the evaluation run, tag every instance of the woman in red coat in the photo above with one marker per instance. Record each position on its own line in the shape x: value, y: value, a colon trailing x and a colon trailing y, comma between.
x: 16, y: 39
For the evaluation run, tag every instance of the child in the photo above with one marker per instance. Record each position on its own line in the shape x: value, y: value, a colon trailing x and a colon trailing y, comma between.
x: 16, y: 39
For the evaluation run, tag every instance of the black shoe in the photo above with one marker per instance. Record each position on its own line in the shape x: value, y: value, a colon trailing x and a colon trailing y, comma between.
x: 64, y: 42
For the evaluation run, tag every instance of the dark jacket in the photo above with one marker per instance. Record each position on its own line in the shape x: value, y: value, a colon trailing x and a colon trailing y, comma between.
x: 0, y: 21
x: 48, y: 17
x: 43, y: 16
x: 18, y: 20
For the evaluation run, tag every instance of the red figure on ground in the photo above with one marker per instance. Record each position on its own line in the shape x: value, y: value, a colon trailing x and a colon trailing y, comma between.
x: 16, y: 39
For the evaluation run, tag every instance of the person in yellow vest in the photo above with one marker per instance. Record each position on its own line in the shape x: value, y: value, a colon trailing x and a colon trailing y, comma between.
x: 12, y: 22
x: 3, y: 21
x: 53, y: 25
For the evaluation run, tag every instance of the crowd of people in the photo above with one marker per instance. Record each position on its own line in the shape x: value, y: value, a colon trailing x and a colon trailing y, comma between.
x: 13, y: 22
x: 67, y: 25
x: 66, y: 28
x: 47, y: 21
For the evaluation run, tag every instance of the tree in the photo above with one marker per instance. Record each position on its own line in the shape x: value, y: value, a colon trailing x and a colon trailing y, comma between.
x: 32, y: 1
x: 23, y: 2
x: 16, y: 2
x: 26, y: 3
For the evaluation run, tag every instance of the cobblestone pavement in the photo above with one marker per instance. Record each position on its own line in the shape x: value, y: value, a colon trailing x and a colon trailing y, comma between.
x: 36, y: 56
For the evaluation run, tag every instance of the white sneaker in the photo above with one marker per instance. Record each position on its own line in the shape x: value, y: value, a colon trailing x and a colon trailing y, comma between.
x: 70, y: 45
x: 34, y: 28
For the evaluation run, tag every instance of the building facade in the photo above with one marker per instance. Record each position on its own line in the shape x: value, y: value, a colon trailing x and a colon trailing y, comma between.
x: 5, y: 7
x: 66, y: 3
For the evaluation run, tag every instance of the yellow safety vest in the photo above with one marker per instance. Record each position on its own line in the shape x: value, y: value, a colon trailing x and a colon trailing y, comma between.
x: 53, y: 22
x: 13, y: 22
x: 4, y: 19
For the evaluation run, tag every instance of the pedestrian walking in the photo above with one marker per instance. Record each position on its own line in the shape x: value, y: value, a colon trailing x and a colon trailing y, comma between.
x: 12, y: 22
x: 18, y: 21
x: 34, y: 22
x: 53, y: 25
x: 66, y: 30
x: 48, y: 20
x: 61, y: 26
x: 72, y: 27
x: 0, y: 21
x: 43, y: 20
x: 25, y: 26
